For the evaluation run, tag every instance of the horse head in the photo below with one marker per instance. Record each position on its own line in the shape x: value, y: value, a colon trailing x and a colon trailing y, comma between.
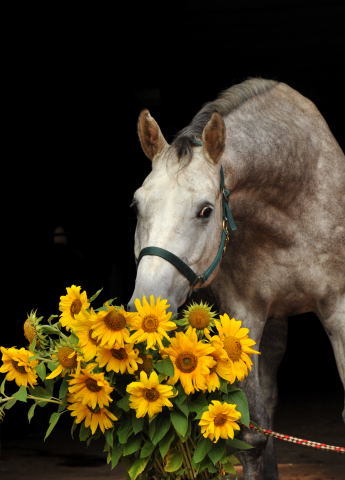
x: 179, y: 212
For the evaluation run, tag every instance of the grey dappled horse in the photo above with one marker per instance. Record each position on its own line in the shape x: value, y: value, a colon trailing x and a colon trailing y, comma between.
x: 286, y: 175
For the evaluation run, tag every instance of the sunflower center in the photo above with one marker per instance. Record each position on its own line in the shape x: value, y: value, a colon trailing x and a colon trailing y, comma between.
x: 119, y: 353
x: 17, y: 367
x: 199, y: 318
x: 150, y: 323
x: 91, y: 384
x: 186, y: 362
x: 220, y: 420
x: 114, y: 321
x: 233, y: 348
x: 151, y: 394
x: 75, y: 307
x: 63, y: 357
x: 93, y: 340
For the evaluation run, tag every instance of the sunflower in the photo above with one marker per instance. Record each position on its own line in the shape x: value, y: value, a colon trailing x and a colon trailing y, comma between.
x: 119, y: 359
x: 71, y: 304
x: 151, y: 322
x: 219, y: 421
x: 223, y: 368
x: 199, y: 316
x: 67, y: 361
x: 18, y: 366
x: 89, y: 388
x: 110, y: 327
x: 149, y: 396
x: 83, y: 329
x: 93, y: 417
x: 192, y: 360
x: 236, y: 343
x: 32, y: 329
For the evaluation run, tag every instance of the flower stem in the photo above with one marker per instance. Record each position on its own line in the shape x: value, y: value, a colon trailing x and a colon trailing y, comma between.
x: 186, y: 461
x: 32, y: 397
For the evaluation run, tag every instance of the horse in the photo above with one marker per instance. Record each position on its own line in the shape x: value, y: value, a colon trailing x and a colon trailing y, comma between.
x: 262, y: 153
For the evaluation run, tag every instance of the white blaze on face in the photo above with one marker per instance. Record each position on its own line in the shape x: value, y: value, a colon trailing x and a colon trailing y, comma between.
x: 170, y: 206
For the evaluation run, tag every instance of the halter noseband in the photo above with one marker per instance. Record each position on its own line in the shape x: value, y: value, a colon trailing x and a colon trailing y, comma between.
x: 182, y: 267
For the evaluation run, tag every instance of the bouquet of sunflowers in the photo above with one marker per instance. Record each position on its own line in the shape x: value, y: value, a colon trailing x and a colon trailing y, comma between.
x: 162, y: 392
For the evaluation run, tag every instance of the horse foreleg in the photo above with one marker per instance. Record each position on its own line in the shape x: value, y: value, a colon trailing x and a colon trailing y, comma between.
x: 272, y: 348
x: 333, y: 319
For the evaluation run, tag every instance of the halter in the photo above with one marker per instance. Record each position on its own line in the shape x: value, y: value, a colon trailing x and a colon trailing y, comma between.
x: 182, y: 267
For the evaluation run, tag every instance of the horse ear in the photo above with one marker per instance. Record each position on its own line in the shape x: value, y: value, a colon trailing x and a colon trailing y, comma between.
x: 150, y: 135
x: 213, y: 137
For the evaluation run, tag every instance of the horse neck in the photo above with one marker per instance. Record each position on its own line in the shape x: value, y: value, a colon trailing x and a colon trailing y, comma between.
x: 278, y: 148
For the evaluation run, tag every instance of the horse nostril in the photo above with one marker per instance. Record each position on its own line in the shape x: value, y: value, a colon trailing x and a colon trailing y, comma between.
x: 130, y: 307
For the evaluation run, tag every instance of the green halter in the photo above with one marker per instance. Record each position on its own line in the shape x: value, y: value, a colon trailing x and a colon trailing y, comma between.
x: 182, y: 267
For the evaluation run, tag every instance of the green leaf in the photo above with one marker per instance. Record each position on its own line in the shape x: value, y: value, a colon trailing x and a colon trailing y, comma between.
x: 124, y: 431
x: 84, y: 433
x: 54, y: 418
x: 31, y: 411
x: 132, y: 446
x: 182, y: 405
x: 238, y: 444
x: 137, y: 424
x: 180, y: 423
x: 21, y: 394
x: 239, y: 398
x: 116, y: 455
x: 40, y: 392
x: 164, y: 425
x: 41, y: 371
x: 124, y: 403
x: 164, y: 445
x: 198, y: 405
x: 147, y: 449
x: 9, y: 404
x: 202, y: 448
x: 109, y: 436
x: 165, y: 367
x: 217, y: 452
x: 173, y: 461
x: 138, y: 467
x: 152, y: 428
x: 63, y: 390
x: 2, y: 387
x: 95, y: 295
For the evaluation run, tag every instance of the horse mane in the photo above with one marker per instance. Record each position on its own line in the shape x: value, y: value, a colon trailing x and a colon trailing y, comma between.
x: 227, y: 101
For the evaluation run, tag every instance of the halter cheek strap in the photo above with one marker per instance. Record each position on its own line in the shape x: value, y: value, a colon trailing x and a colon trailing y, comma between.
x: 227, y: 222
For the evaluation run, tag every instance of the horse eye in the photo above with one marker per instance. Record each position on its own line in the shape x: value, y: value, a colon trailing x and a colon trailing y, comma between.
x: 205, y: 212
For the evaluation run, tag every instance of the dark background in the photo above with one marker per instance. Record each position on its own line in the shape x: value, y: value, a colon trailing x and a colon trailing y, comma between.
x: 74, y: 81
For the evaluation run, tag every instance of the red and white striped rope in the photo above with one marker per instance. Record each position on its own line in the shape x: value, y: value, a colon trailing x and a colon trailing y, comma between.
x: 298, y: 441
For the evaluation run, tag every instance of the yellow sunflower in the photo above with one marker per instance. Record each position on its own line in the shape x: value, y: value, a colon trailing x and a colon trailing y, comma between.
x: 89, y: 388
x: 219, y: 421
x: 119, y: 359
x: 18, y: 366
x: 93, y: 417
x: 235, y: 341
x: 83, y: 329
x: 199, y: 316
x: 71, y: 304
x: 192, y: 360
x: 151, y: 322
x: 149, y: 396
x: 110, y: 327
x: 223, y: 368
x: 67, y: 359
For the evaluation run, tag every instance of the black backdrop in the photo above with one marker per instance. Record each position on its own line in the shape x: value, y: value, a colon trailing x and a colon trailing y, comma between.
x: 74, y: 82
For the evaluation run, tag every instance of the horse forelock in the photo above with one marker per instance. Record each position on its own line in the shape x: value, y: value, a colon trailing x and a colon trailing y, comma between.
x: 228, y: 101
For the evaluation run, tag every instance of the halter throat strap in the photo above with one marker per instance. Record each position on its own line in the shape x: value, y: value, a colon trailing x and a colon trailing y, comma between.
x: 227, y: 223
